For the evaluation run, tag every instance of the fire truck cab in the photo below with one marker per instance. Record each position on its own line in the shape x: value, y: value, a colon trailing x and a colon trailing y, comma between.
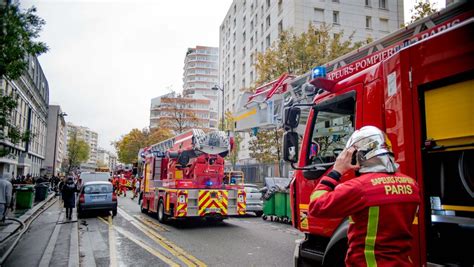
x: 421, y: 94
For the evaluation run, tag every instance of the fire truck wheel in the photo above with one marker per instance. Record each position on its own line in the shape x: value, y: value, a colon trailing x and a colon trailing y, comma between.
x: 258, y: 213
x: 114, y: 212
x: 162, y: 217
x: 143, y: 210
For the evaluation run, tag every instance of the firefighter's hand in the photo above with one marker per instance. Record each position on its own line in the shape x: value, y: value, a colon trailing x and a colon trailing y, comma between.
x: 343, y: 161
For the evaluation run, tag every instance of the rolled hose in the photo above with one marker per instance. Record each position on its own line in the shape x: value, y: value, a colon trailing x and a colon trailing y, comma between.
x: 22, y: 225
x: 20, y: 234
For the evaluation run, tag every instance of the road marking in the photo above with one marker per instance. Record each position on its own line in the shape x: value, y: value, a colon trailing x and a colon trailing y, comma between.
x: 150, y: 223
x: 74, y: 244
x: 112, y: 243
x: 48, y: 252
x: 178, y: 252
x: 142, y: 244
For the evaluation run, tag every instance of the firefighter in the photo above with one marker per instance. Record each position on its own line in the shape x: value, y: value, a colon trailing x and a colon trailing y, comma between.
x: 380, y: 203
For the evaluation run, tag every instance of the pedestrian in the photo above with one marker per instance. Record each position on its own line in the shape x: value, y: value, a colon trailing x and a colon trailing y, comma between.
x: 6, y: 190
x: 381, y: 203
x: 69, y: 196
x: 136, y: 190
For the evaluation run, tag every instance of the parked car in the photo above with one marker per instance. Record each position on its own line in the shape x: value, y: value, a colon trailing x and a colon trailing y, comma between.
x: 254, y: 202
x: 85, y: 177
x: 96, y: 196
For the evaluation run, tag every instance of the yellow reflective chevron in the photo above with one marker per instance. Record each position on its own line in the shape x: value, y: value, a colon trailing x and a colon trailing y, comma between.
x: 212, y: 201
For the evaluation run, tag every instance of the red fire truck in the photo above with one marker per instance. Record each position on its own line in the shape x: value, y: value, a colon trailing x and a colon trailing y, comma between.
x: 420, y: 91
x: 183, y: 178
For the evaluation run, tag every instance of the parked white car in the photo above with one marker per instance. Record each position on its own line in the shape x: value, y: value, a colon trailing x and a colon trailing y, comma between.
x: 254, y: 200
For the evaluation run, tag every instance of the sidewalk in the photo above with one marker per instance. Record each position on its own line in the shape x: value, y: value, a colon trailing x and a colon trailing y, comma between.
x: 23, y: 215
x: 50, y: 240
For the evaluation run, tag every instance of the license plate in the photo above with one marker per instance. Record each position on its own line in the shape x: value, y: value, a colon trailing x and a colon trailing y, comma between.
x: 213, y: 210
x: 98, y: 198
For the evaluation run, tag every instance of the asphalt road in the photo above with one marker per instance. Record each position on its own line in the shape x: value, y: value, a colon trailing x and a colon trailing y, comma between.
x: 139, y: 239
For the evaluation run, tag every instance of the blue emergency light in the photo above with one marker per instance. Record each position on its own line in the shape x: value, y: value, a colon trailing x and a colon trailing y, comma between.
x: 319, y: 71
x: 209, y: 183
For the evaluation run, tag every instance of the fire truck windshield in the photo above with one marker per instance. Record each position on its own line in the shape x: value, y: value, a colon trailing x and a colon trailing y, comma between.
x: 331, y: 129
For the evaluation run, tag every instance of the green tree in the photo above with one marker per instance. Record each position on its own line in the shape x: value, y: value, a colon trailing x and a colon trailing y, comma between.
x: 265, y: 146
x: 297, y: 54
x: 229, y: 125
x: 77, y: 151
x: 18, y: 31
x: 130, y: 144
x: 422, y: 9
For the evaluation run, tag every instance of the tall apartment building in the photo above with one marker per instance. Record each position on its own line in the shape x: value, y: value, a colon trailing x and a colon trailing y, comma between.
x: 55, y: 140
x: 201, y: 74
x: 251, y: 26
x: 31, y: 114
x: 91, y: 138
x: 181, y: 113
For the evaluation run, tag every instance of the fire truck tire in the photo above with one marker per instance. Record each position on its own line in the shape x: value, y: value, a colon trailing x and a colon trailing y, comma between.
x: 114, y: 212
x: 162, y: 217
x: 259, y: 213
x: 143, y: 210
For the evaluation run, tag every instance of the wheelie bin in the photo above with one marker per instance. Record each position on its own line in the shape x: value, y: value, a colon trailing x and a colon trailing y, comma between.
x: 288, y: 207
x: 25, y: 196
x: 41, y: 192
x: 280, y: 204
x: 268, y: 207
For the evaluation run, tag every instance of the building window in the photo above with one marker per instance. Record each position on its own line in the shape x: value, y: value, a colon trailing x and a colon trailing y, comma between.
x: 233, y: 37
x: 368, y: 22
x: 244, y: 20
x: 280, y: 6
x: 243, y: 83
x: 233, y: 51
x: 318, y: 14
x: 268, y: 22
x: 235, y: 9
x: 268, y: 4
x: 244, y: 51
x: 234, y: 23
x: 251, y: 42
x: 335, y: 1
x: 367, y: 3
x: 261, y: 29
x: 335, y: 17
x: 384, y: 25
x: 243, y: 68
x: 280, y: 27
x: 383, y: 4
x: 268, y: 40
x: 251, y: 26
x: 244, y: 37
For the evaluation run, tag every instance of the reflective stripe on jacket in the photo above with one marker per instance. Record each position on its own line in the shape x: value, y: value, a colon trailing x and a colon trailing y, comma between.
x: 381, y: 208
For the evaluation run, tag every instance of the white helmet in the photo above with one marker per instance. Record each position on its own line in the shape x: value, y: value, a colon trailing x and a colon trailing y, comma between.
x: 374, y: 150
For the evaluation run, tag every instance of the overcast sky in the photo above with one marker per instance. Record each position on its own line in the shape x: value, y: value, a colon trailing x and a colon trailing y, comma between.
x: 107, y: 59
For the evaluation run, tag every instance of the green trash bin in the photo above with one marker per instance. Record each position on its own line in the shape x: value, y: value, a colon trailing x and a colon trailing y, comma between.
x: 41, y: 192
x: 25, y: 196
x: 280, y: 204
x: 288, y: 207
x: 269, y: 206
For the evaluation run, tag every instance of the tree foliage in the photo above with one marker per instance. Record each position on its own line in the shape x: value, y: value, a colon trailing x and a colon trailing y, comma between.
x: 422, y: 9
x: 19, y: 31
x: 229, y: 125
x: 265, y: 146
x: 297, y: 54
x: 77, y: 150
x: 179, y: 118
x: 129, y: 144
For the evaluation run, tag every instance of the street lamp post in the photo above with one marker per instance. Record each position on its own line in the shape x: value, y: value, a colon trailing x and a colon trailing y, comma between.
x: 62, y: 115
x: 217, y: 87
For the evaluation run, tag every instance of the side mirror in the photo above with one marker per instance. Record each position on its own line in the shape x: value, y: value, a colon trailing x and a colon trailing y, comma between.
x: 292, y: 118
x: 314, y: 173
x: 290, y: 147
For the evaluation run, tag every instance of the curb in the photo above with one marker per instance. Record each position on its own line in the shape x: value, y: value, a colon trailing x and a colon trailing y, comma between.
x: 13, y: 227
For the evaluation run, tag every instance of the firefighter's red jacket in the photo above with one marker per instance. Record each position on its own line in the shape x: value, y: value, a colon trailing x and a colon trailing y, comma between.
x: 381, y: 208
